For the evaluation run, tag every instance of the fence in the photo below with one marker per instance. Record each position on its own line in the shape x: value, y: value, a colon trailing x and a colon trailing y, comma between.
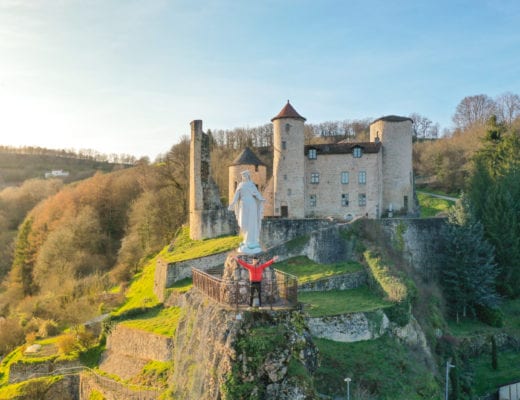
x: 279, y: 289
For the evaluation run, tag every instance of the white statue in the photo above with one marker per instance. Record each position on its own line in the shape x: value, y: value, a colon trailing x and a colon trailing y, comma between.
x: 248, y: 205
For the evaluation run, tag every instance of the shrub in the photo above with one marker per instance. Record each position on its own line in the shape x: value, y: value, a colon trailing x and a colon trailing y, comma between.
x: 491, y: 316
x: 66, y: 344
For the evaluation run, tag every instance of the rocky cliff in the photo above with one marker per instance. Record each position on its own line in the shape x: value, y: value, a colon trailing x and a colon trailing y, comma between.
x: 220, y: 353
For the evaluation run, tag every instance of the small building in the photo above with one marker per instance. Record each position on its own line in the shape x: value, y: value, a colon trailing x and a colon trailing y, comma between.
x: 56, y: 173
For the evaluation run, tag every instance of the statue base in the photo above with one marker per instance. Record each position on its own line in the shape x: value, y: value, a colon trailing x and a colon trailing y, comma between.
x: 249, y: 249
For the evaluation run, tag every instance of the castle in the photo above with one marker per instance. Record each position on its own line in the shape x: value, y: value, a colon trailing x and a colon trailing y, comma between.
x: 343, y: 181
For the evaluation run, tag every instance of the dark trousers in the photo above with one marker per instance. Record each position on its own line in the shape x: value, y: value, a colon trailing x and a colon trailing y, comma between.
x: 256, y: 286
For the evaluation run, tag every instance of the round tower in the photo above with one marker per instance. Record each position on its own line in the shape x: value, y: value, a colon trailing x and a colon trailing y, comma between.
x: 247, y: 160
x: 395, y: 134
x: 288, y: 163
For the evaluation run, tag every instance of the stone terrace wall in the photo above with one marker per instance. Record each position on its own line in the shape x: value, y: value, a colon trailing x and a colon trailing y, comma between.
x: 128, y: 350
x: 166, y: 274
x: 140, y: 344
x: 276, y: 231
x: 338, y: 282
x: 418, y: 239
x: 91, y: 383
x: 21, y: 371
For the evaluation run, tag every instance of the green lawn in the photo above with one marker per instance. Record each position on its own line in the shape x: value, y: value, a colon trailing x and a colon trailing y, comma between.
x: 472, y: 327
x: 431, y: 206
x: 335, y: 302
x: 307, y: 270
x: 185, y: 249
x: 383, y: 367
x: 486, y: 379
x: 160, y: 321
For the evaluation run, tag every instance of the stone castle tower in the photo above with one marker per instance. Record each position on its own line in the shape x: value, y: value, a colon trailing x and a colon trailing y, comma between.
x: 208, y: 218
x: 395, y: 135
x: 288, y: 164
x: 247, y: 160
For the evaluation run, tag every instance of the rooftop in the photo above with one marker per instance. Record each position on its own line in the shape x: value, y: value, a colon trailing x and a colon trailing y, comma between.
x: 393, y: 118
x: 247, y: 157
x: 288, y: 112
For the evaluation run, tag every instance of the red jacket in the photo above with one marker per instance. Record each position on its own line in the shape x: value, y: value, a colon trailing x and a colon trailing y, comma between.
x: 255, y: 272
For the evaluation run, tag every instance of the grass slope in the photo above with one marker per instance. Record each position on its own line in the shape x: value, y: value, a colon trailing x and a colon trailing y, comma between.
x: 386, y: 369
x: 307, y: 270
x: 335, y: 302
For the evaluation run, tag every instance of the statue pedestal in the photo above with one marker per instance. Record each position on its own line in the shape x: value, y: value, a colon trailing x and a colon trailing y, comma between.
x: 236, y: 287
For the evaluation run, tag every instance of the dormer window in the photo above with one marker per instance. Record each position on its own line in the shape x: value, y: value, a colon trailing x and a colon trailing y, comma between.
x: 357, y: 152
x: 313, y: 154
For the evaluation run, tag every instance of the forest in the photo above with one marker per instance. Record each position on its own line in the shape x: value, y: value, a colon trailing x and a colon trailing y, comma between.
x: 66, y: 247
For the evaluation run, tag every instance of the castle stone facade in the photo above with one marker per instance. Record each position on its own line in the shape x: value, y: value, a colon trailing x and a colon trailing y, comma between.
x: 343, y: 180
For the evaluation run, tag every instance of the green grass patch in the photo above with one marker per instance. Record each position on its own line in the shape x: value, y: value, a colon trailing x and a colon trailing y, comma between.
x: 487, y: 379
x: 383, y: 368
x: 471, y: 327
x: 335, y: 302
x: 154, y: 374
x: 33, y: 388
x: 160, y: 321
x: 432, y: 206
x: 48, y: 352
x: 140, y: 293
x: 392, y: 285
x: 307, y: 270
x: 185, y: 249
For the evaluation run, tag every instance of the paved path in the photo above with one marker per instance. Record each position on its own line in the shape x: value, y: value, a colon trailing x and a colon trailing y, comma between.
x: 440, y: 196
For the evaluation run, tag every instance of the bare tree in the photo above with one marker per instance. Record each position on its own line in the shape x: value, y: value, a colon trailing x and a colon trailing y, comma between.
x: 508, y: 107
x: 473, y: 110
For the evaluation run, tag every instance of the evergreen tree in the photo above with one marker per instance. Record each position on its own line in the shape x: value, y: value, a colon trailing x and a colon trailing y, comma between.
x: 469, y: 272
x: 494, y: 194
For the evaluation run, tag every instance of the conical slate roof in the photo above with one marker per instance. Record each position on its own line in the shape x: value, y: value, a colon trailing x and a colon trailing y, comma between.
x: 288, y: 112
x: 247, y: 157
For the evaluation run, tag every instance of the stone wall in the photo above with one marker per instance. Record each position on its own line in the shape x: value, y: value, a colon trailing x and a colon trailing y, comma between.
x: 21, y: 371
x: 352, y: 327
x: 338, y: 282
x: 276, y: 231
x: 91, y: 384
x: 166, y: 274
x: 418, y: 239
x: 128, y: 350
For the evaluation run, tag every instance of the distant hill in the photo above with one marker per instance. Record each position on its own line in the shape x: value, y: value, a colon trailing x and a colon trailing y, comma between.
x: 17, y: 165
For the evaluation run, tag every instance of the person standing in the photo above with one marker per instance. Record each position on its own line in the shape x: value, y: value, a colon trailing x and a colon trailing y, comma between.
x: 255, y: 276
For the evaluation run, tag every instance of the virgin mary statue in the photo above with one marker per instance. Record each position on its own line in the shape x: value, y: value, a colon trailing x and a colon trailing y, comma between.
x: 248, y: 205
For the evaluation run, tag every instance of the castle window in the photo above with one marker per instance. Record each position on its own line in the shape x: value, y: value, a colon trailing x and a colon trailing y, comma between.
x: 285, y: 177
x: 287, y: 127
x: 312, y: 200
x: 289, y: 192
x: 344, y: 199
x: 362, y: 177
x: 362, y: 199
x: 357, y: 152
x: 313, y: 154
x: 344, y: 177
x: 315, y: 177
x: 284, y: 145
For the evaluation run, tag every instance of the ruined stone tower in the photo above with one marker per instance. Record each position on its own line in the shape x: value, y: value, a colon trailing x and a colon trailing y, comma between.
x: 288, y: 164
x: 208, y: 218
x: 395, y: 135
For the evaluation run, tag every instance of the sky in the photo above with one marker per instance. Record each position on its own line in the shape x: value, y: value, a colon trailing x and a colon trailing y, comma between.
x: 128, y: 76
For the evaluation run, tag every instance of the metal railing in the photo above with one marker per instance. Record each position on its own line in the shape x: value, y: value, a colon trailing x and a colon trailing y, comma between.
x: 278, y: 289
